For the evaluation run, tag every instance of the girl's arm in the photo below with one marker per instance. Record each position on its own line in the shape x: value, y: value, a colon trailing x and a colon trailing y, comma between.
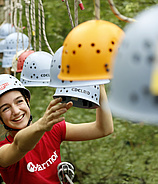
x: 103, y: 125
x: 27, y: 138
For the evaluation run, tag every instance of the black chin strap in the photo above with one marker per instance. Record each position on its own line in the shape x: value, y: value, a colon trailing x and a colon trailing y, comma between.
x: 12, y: 129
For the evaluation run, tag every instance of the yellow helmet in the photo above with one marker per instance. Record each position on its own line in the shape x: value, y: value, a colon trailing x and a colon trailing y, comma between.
x: 88, y: 51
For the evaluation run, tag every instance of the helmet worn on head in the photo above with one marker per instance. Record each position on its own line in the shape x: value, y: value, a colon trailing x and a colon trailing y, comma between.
x: 36, y: 69
x: 89, y: 50
x: 21, y: 59
x: 55, y: 70
x: 9, y: 82
x: 86, y: 97
x: 6, y: 29
x: 131, y: 97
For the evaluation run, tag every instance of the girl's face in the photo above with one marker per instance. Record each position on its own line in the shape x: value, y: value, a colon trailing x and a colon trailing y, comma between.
x: 14, y: 110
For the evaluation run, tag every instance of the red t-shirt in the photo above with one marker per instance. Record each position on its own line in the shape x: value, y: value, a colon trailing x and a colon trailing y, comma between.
x: 38, y: 166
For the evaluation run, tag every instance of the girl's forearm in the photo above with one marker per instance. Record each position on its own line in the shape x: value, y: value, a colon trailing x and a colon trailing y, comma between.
x: 27, y: 138
x: 103, y: 114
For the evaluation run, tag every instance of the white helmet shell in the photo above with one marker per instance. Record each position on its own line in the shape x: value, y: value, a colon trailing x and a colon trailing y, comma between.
x: 11, y: 45
x: 55, y: 70
x: 36, y: 69
x: 83, y: 97
x: 9, y: 82
x: 7, y: 61
x: 130, y: 96
x: 11, y: 42
x: 2, y: 45
x: 6, y: 29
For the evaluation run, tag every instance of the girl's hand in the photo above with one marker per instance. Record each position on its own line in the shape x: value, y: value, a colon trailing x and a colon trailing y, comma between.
x: 52, y: 114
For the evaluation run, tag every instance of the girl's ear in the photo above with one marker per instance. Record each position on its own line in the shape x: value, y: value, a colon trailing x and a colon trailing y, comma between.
x: 1, y: 121
x: 27, y: 101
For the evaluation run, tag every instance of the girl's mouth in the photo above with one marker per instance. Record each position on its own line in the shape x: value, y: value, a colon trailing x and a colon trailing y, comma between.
x: 19, y: 118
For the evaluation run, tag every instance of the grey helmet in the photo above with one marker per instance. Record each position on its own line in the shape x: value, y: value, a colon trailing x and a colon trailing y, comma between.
x: 130, y: 96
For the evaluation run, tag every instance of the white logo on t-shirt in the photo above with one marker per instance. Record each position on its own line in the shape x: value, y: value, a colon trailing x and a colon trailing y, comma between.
x: 39, y: 167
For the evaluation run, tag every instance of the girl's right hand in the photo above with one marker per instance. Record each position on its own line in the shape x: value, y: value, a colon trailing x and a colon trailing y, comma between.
x: 52, y: 114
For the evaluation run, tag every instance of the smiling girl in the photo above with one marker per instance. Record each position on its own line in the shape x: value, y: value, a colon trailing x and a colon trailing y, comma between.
x: 31, y: 151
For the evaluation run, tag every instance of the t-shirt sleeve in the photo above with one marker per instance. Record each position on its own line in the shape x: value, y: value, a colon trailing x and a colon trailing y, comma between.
x: 59, y: 130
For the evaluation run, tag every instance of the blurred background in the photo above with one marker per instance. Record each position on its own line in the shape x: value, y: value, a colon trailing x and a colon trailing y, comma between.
x: 130, y: 154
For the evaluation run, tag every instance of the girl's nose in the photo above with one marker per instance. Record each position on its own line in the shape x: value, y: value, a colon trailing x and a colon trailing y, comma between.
x: 15, y: 109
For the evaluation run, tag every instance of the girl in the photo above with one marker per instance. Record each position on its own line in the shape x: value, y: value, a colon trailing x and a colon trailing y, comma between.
x: 31, y: 151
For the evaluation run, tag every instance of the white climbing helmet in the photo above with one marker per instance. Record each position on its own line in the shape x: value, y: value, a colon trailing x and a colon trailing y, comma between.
x: 10, y: 48
x: 83, y: 97
x: 6, y: 29
x: 14, y: 41
x: 2, y: 45
x: 36, y: 69
x: 131, y: 97
x: 9, y: 82
x: 7, y: 61
x: 55, y: 70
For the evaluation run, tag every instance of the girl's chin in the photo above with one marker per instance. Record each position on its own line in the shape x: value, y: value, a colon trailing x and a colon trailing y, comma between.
x: 20, y: 126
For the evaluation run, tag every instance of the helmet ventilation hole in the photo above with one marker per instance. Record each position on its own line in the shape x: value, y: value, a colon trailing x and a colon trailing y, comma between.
x: 156, y: 100
x: 136, y: 57
x: 150, y: 59
x: 110, y: 50
x: 134, y: 98
x: 98, y: 51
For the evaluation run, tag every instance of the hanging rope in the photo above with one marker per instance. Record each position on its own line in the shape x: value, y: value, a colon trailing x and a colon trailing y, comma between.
x: 76, y: 12
x: 19, y: 27
x: 97, y: 9
x: 18, y: 6
x: 27, y: 4
x: 69, y: 13
x: 43, y: 27
x: 39, y: 23
x: 7, y: 10
x: 33, y: 23
x: 118, y: 14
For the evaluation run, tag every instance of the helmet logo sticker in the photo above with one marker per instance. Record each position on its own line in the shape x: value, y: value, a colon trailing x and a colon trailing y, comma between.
x: 80, y: 91
x: 3, y: 86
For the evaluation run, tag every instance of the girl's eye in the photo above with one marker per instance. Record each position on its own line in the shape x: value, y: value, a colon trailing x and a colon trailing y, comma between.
x: 5, y: 109
x: 20, y: 101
